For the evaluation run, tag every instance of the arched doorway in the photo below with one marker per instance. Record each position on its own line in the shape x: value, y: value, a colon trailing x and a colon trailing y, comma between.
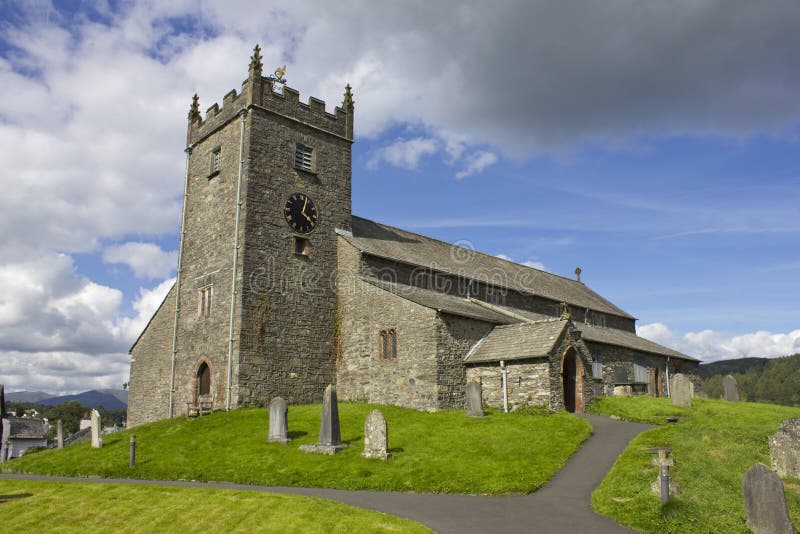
x: 572, y: 381
x: 203, y: 380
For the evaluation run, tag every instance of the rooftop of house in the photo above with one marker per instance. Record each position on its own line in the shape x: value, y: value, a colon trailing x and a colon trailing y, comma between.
x: 399, y: 245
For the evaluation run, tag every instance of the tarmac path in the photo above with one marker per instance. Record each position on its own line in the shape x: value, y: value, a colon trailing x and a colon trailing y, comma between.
x: 562, y: 505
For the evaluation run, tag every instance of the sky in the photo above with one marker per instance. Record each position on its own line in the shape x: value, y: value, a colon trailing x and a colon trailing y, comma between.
x: 653, y: 144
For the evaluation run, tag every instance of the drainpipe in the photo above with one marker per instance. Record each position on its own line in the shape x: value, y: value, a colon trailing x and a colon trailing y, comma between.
x: 504, y: 372
x: 667, y: 373
x: 243, y: 115
x: 178, y: 282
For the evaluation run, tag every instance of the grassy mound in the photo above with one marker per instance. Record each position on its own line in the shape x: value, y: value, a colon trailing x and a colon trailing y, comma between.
x: 431, y: 452
x: 83, y: 507
x: 713, y: 444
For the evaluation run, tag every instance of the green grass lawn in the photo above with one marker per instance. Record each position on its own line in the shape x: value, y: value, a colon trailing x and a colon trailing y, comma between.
x: 82, y: 507
x: 713, y: 444
x: 431, y: 452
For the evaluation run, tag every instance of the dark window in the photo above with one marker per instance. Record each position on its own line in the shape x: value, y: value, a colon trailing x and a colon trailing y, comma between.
x: 205, y: 295
x: 302, y: 157
x: 495, y: 295
x: 301, y: 246
x: 388, y: 345
x: 216, y: 161
x: 204, y: 379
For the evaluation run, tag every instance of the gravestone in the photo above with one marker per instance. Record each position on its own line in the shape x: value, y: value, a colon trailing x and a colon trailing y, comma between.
x: 60, y: 434
x: 375, y: 436
x: 681, y: 390
x: 278, y: 423
x: 474, y: 399
x: 330, y: 435
x: 784, y: 448
x: 765, y: 502
x: 729, y: 386
x: 97, y: 438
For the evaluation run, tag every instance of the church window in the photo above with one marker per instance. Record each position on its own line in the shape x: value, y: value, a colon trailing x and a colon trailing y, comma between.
x: 441, y: 283
x: 205, y: 295
x: 495, y: 295
x: 639, y: 374
x: 388, y: 345
x: 216, y: 161
x: 302, y: 157
x: 598, y: 319
x: 301, y: 247
x: 597, y: 370
x: 204, y: 379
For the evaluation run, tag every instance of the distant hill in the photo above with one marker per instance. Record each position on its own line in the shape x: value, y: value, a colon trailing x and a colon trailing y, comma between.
x: 773, y: 380
x: 90, y: 399
x: 110, y: 399
x: 725, y: 367
x: 27, y: 396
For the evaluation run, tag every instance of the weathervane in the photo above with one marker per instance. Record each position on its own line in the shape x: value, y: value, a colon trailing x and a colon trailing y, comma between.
x: 278, y: 76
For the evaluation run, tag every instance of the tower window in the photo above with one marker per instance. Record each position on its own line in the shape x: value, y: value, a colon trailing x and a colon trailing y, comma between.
x: 302, y: 157
x: 216, y: 161
x: 301, y: 247
x: 204, y: 301
x: 495, y: 295
x: 388, y: 345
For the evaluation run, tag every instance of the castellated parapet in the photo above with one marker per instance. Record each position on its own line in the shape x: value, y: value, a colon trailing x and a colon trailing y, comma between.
x: 259, y: 91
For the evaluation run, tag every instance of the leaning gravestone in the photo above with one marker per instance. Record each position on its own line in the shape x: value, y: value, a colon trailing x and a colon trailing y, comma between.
x: 330, y: 435
x: 278, y: 423
x: 784, y: 448
x: 474, y: 399
x: 681, y: 390
x: 60, y: 434
x: 375, y: 436
x: 765, y: 502
x: 97, y: 438
x: 729, y: 386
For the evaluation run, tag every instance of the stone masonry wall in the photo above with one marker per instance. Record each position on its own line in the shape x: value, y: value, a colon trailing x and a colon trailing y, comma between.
x: 455, y: 337
x: 528, y: 382
x: 411, y: 380
x: 151, y: 357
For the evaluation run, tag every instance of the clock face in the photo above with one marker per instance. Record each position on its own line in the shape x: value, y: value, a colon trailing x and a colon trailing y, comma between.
x: 301, y: 213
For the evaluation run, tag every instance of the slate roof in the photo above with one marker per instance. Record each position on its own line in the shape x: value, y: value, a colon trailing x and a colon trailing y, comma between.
x: 26, y: 427
x: 443, y: 302
x: 400, y: 245
x: 519, y: 341
x: 620, y: 338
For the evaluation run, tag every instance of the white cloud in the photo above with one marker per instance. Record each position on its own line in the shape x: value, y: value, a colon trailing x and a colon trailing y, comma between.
x: 710, y: 345
x: 147, y: 260
x: 530, y: 263
x: 476, y: 163
x: 404, y: 153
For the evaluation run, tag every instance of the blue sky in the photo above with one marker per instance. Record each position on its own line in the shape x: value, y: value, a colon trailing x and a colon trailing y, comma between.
x: 653, y: 145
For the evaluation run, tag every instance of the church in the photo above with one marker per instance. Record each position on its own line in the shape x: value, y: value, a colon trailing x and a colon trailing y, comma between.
x: 281, y: 290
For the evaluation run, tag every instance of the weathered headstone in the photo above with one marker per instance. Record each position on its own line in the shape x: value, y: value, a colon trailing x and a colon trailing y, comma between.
x: 729, y: 386
x: 474, y: 399
x: 681, y: 390
x: 330, y: 435
x: 765, y: 502
x: 376, y: 436
x: 97, y: 438
x: 784, y: 448
x: 278, y: 423
x: 60, y: 434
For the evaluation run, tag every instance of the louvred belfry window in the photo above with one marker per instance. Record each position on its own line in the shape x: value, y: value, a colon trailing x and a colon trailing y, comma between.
x: 302, y: 157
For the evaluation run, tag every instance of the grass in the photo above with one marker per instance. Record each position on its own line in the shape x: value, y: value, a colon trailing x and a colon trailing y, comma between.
x: 431, y: 452
x: 82, y: 507
x: 713, y: 445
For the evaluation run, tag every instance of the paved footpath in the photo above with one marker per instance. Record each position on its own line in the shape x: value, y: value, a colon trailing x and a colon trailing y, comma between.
x: 562, y: 505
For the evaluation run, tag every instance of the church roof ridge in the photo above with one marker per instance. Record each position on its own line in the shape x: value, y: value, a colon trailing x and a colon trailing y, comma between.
x: 574, y: 292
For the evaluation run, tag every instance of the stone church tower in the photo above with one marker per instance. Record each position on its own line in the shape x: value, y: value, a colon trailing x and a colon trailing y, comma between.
x: 253, y: 312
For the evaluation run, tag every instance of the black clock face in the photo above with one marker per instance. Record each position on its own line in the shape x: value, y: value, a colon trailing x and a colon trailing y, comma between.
x: 300, y: 213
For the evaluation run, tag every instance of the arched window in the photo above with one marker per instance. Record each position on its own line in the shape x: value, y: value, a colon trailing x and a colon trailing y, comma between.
x: 203, y: 379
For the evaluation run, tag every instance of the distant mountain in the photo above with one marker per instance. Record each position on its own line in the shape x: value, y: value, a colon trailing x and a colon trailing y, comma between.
x: 27, y: 396
x: 109, y: 399
x: 725, y: 367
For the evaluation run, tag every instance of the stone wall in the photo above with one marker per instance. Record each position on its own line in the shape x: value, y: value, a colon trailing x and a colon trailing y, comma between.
x: 455, y: 337
x: 528, y: 382
x: 148, y: 396
x: 618, y: 360
x: 365, y: 310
